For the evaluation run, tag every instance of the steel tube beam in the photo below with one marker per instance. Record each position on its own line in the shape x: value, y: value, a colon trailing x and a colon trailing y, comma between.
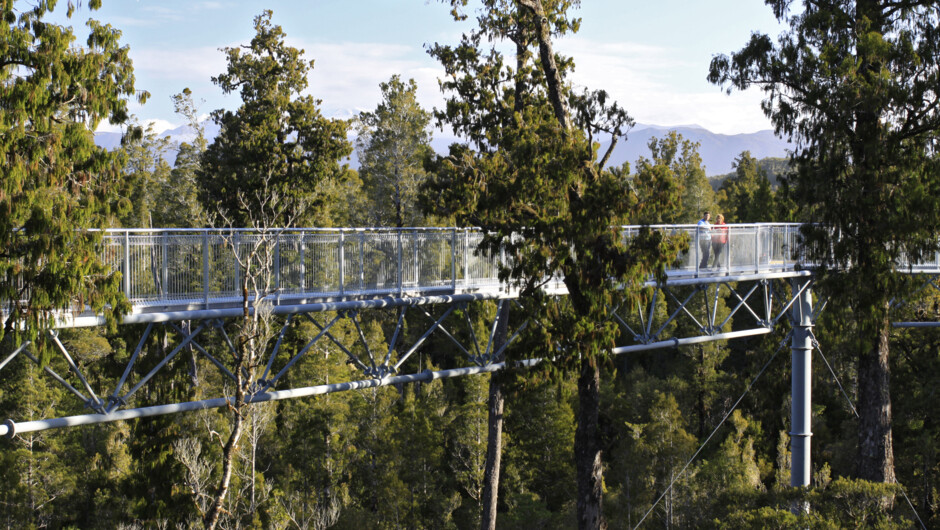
x: 674, y: 343
x: 9, y: 427
x: 801, y: 386
x: 68, y: 358
x: 130, y: 364
x: 14, y: 354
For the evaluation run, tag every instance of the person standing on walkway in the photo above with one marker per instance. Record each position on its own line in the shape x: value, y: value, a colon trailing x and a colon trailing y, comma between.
x: 704, y: 236
x: 719, y: 240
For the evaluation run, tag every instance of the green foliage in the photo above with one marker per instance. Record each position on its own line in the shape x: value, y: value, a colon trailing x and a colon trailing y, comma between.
x: 178, y: 205
x: 277, y: 142
x: 746, y: 196
x: 661, y: 447
x: 680, y: 156
x: 145, y: 175
x: 539, y: 434
x: 775, y: 168
x: 56, y: 184
x: 844, y: 503
x: 393, y: 142
x: 533, y: 176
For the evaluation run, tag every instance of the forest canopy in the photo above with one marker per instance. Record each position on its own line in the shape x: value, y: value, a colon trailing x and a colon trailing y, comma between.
x: 588, y: 440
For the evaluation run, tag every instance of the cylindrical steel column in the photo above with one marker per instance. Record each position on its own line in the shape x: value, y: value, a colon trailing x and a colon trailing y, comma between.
x: 801, y: 348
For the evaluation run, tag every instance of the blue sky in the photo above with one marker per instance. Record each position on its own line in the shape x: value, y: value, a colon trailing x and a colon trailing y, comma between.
x: 652, y: 56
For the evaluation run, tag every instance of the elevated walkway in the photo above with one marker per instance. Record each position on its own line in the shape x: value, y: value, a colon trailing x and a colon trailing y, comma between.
x: 183, y: 274
x: 178, y: 275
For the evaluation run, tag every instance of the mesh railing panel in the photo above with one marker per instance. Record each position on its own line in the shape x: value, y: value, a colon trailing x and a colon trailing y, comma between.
x: 198, y: 265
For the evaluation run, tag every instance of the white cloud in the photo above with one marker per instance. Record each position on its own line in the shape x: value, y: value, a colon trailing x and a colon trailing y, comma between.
x: 186, y: 64
x: 657, y: 86
x: 163, y: 13
x: 107, y: 127
x: 158, y: 126
x: 347, y: 75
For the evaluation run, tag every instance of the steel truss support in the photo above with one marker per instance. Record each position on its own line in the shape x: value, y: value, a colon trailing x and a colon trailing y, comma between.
x: 756, y: 304
x: 10, y: 428
x: 759, y: 304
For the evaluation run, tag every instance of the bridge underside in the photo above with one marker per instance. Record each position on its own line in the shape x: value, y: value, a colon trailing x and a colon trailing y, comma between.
x: 757, y: 303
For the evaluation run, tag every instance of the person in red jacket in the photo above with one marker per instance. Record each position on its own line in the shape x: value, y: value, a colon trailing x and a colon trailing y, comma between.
x: 719, y: 240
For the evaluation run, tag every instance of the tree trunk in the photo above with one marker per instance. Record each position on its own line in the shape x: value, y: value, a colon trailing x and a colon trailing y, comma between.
x: 549, y: 68
x: 494, y: 441
x: 228, y: 456
x: 587, y: 451
x: 242, y: 355
x: 701, y: 391
x: 875, y: 446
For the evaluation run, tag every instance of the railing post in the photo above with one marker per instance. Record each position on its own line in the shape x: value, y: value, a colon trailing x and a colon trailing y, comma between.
x: 362, y: 261
x: 756, y: 248
x: 502, y: 259
x: 277, y: 264
x: 698, y: 246
x: 303, y: 262
x: 236, y: 246
x: 466, y: 256
x: 453, y: 259
x: 414, y: 252
x: 205, y: 268
x: 127, y: 264
x: 165, y: 273
x: 342, y: 263
x: 727, y: 236
x: 801, y: 350
x: 401, y: 265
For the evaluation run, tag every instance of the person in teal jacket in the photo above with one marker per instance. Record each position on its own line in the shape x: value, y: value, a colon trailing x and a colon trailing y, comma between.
x: 703, y: 234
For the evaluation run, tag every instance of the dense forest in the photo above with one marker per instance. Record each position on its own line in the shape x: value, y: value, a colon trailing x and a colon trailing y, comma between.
x: 589, y: 440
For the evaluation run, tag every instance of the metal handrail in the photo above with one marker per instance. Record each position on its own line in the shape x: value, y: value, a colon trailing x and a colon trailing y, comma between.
x: 199, y: 265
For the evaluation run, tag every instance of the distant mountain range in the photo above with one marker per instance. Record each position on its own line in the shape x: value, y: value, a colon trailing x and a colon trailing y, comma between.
x: 718, y: 151
x: 183, y: 133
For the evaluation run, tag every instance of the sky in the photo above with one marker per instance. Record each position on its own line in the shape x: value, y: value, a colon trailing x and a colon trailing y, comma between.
x: 651, y: 56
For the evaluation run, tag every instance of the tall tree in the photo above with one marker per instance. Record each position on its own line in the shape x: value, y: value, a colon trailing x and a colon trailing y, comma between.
x: 746, y: 196
x: 534, y: 183
x: 145, y: 174
x: 55, y: 182
x: 178, y: 204
x: 854, y: 85
x: 682, y: 158
x: 255, y: 328
x: 277, y: 139
x: 393, y: 142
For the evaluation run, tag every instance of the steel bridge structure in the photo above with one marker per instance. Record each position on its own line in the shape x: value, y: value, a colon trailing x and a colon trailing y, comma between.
x: 190, y: 281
